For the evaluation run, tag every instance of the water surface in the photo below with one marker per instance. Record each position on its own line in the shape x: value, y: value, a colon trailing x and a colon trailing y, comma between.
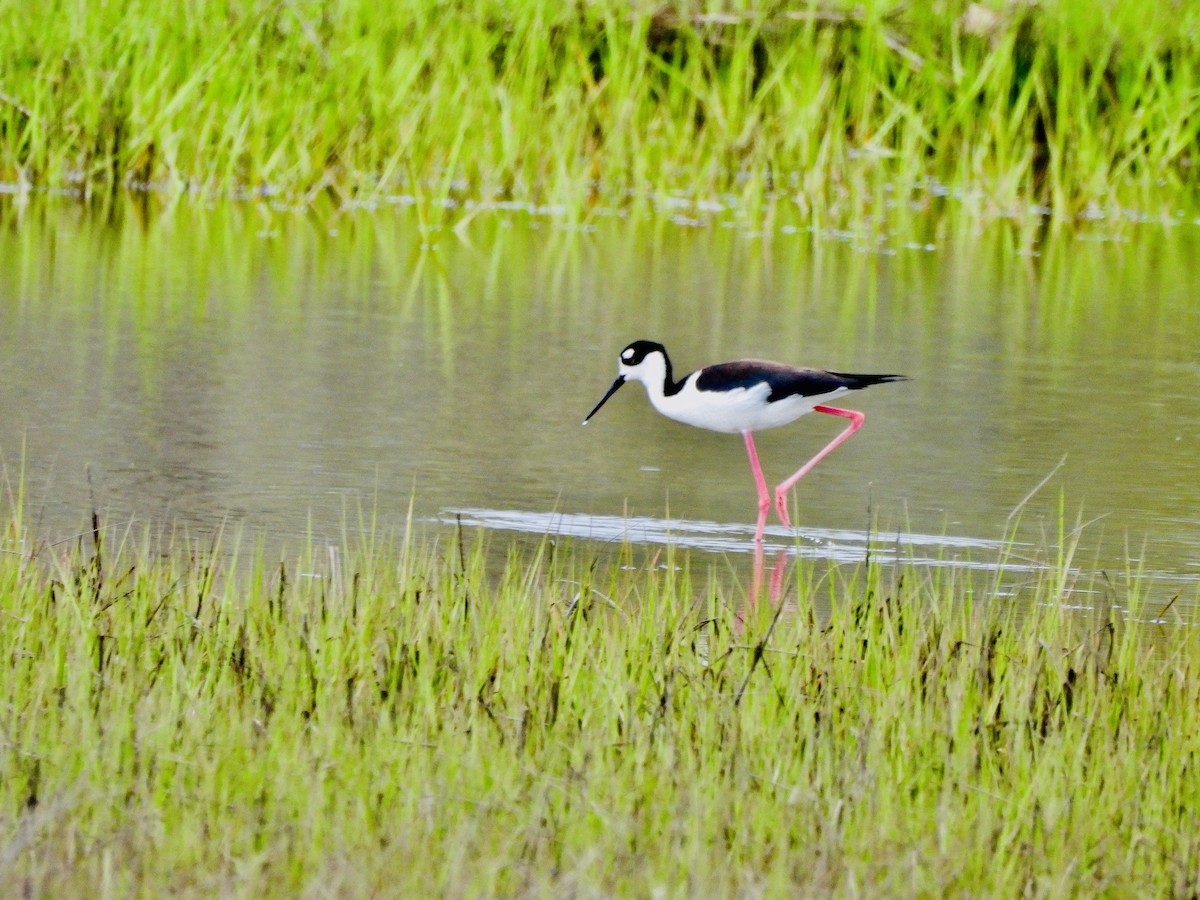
x: 279, y: 371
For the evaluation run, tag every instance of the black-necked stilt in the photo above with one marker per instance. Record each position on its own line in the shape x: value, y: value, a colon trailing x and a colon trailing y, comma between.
x: 744, y: 396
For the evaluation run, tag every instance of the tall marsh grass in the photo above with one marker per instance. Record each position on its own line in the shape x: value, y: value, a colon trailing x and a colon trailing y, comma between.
x: 398, y: 718
x: 835, y: 108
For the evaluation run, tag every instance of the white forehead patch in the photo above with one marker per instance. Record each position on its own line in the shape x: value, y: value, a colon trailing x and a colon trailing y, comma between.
x: 627, y: 355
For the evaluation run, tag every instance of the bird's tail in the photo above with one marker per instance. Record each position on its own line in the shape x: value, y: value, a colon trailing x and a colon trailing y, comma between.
x: 858, y: 381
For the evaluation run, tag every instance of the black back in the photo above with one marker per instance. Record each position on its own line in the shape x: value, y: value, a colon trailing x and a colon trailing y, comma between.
x: 785, y: 381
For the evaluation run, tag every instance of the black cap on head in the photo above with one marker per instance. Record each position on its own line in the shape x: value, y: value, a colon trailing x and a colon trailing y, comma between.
x: 639, y: 350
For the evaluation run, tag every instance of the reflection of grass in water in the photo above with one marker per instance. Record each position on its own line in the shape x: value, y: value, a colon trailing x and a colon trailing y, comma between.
x: 841, y: 107
x: 832, y: 300
x: 711, y: 293
x: 393, y: 717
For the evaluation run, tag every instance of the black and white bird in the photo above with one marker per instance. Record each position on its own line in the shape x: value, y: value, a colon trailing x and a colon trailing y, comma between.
x: 745, y: 395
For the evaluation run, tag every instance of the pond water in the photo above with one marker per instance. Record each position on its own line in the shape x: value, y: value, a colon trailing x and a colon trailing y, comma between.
x: 280, y: 371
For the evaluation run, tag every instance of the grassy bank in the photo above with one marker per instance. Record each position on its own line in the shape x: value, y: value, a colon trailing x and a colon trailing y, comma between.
x: 835, y: 108
x: 391, y: 719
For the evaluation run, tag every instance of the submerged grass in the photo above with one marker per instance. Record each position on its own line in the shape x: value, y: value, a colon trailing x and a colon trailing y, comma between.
x: 398, y: 718
x: 831, y: 107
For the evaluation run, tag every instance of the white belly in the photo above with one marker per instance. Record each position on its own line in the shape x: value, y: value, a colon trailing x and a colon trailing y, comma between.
x: 738, y: 410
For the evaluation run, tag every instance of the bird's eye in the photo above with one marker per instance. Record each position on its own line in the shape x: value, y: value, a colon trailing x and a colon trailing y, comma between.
x: 627, y: 356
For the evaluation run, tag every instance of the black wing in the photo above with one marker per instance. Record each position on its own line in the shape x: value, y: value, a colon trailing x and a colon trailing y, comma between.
x: 784, y: 381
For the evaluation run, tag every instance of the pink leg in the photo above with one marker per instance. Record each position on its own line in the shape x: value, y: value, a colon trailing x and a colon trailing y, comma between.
x: 764, y: 496
x: 781, y: 493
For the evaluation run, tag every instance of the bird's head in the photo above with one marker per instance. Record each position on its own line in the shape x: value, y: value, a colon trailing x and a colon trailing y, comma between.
x: 644, y: 361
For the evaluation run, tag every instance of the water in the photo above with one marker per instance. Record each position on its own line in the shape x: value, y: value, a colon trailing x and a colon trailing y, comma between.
x: 281, y: 372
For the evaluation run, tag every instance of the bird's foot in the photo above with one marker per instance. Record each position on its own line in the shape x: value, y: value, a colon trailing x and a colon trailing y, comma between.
x: 781, y: 507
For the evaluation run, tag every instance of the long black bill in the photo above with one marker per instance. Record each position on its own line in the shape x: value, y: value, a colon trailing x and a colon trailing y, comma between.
x: 612, y: 390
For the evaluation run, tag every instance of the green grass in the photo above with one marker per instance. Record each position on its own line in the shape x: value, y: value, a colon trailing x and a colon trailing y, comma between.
x: 836, y: 109
x: 388, y: 717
